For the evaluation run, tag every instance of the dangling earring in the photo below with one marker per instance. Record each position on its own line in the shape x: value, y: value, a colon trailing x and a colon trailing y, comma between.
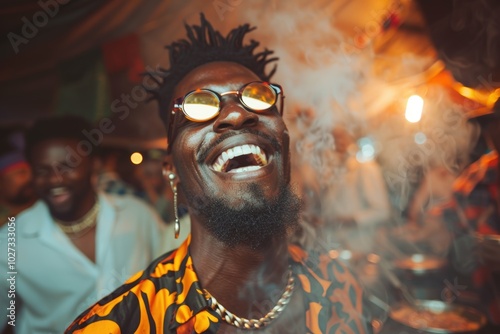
x: 177, y: 224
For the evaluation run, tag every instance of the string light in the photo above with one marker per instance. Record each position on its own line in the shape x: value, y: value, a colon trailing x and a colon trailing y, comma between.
x: 414, y: 108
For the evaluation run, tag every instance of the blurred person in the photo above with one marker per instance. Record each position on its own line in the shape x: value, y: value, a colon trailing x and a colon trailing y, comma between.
x: 16, y: 188
x: 417, y: 233
x: 435, y: 187
x: 155, y: 188
x: 356, y: 200
x: 473, y: 214
x: 145, y: 181
x: 232, y: 161
x: 108, y: 178
x: 73, y: 245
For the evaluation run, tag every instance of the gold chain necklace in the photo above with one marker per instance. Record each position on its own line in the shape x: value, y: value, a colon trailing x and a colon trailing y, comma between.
x: 84, y: 223
x: 244, y: 323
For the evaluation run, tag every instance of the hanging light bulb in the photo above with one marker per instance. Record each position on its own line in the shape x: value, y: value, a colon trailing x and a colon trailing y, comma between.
x: 136, y: 158
x: 414, y: 108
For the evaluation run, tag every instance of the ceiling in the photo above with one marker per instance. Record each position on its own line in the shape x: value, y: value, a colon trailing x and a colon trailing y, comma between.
x: 464, y: 34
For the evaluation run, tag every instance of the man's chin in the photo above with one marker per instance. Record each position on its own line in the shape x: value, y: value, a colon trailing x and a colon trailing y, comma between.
x: 62, y: 212
x: 257, y: 224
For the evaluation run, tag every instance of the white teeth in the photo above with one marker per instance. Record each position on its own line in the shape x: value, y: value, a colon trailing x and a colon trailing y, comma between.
x: 246, y: 149
x: 237, y: 151
x: 57, y: 191
x: 244, y: 169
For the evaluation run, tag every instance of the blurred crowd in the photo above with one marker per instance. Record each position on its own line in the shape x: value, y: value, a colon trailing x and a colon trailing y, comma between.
x: 84, y: 218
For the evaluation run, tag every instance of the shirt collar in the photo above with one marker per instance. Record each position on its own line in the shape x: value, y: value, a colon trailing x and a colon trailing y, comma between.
x: 189, y: 305
x: 45, y: 222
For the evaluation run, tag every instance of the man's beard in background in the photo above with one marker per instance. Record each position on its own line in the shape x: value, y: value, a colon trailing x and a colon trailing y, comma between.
x: 258, y: 224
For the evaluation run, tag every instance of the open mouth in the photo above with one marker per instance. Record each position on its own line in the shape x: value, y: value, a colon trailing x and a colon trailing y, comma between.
x: 59, y: 195
x: 242, y: 158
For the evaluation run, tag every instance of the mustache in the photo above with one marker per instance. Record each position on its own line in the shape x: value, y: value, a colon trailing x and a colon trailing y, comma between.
x: 274, y: 142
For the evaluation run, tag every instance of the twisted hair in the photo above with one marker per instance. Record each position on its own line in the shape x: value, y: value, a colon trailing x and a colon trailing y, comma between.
x: 203, y: 45
x: 56, y: 127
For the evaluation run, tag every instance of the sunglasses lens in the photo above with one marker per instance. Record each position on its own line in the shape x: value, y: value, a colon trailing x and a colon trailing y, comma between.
x: 201, y: 106
x: 258, y: 96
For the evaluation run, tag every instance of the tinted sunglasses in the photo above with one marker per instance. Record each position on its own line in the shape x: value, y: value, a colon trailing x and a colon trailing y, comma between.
x: 202, y: 105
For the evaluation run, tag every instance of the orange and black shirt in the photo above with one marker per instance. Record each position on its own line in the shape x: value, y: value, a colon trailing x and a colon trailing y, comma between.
x: 168, y: 298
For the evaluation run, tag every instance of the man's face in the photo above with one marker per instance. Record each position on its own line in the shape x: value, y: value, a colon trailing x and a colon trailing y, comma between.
x: 16, y: 185
x: 60, y: 185
x: 199, y: 146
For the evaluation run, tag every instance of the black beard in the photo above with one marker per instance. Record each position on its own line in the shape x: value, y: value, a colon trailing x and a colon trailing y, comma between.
x: 256, y: 225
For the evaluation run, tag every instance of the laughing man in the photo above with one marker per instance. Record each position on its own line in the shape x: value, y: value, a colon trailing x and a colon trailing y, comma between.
x: 236, y: 271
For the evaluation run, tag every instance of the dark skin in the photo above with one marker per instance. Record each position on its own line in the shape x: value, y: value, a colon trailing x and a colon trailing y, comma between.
x: 17, y: 192
x: 230, y: 274
x: 67, y: 190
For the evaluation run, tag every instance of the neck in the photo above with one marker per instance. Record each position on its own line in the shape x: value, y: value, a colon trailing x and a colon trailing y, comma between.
x: 245, y: 281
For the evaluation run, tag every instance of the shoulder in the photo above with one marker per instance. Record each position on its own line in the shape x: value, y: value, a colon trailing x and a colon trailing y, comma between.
x: 330, y: 283
x: 122, y: 200
x: 38, y: 208
x: 126, y: 203
x: 325, y: 267
x: 8, y: 226
x: 124, y: 307
x: 29, y: 220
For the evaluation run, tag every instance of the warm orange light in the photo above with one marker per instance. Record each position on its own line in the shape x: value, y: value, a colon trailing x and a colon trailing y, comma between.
x: 414, y: 108
x: 136, y: 158
x: 468, y: 92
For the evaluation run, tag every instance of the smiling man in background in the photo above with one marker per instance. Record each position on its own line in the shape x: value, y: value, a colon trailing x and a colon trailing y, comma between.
x: 73, y: 246
x: 230, y: 149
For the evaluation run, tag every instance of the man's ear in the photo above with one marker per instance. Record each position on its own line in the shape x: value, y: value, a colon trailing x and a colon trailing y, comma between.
x: 168, y: 167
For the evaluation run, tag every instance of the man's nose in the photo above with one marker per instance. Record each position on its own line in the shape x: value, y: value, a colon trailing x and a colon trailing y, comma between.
x: 55, y: 177
x: 234, y: 116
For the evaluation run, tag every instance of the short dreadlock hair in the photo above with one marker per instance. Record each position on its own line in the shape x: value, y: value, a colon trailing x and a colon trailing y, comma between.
x: 204, y: 45
x: 70, y: 127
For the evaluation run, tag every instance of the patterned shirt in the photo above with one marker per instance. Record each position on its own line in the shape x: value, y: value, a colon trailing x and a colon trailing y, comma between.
x: 475, y: 209
x: 168, y: 298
